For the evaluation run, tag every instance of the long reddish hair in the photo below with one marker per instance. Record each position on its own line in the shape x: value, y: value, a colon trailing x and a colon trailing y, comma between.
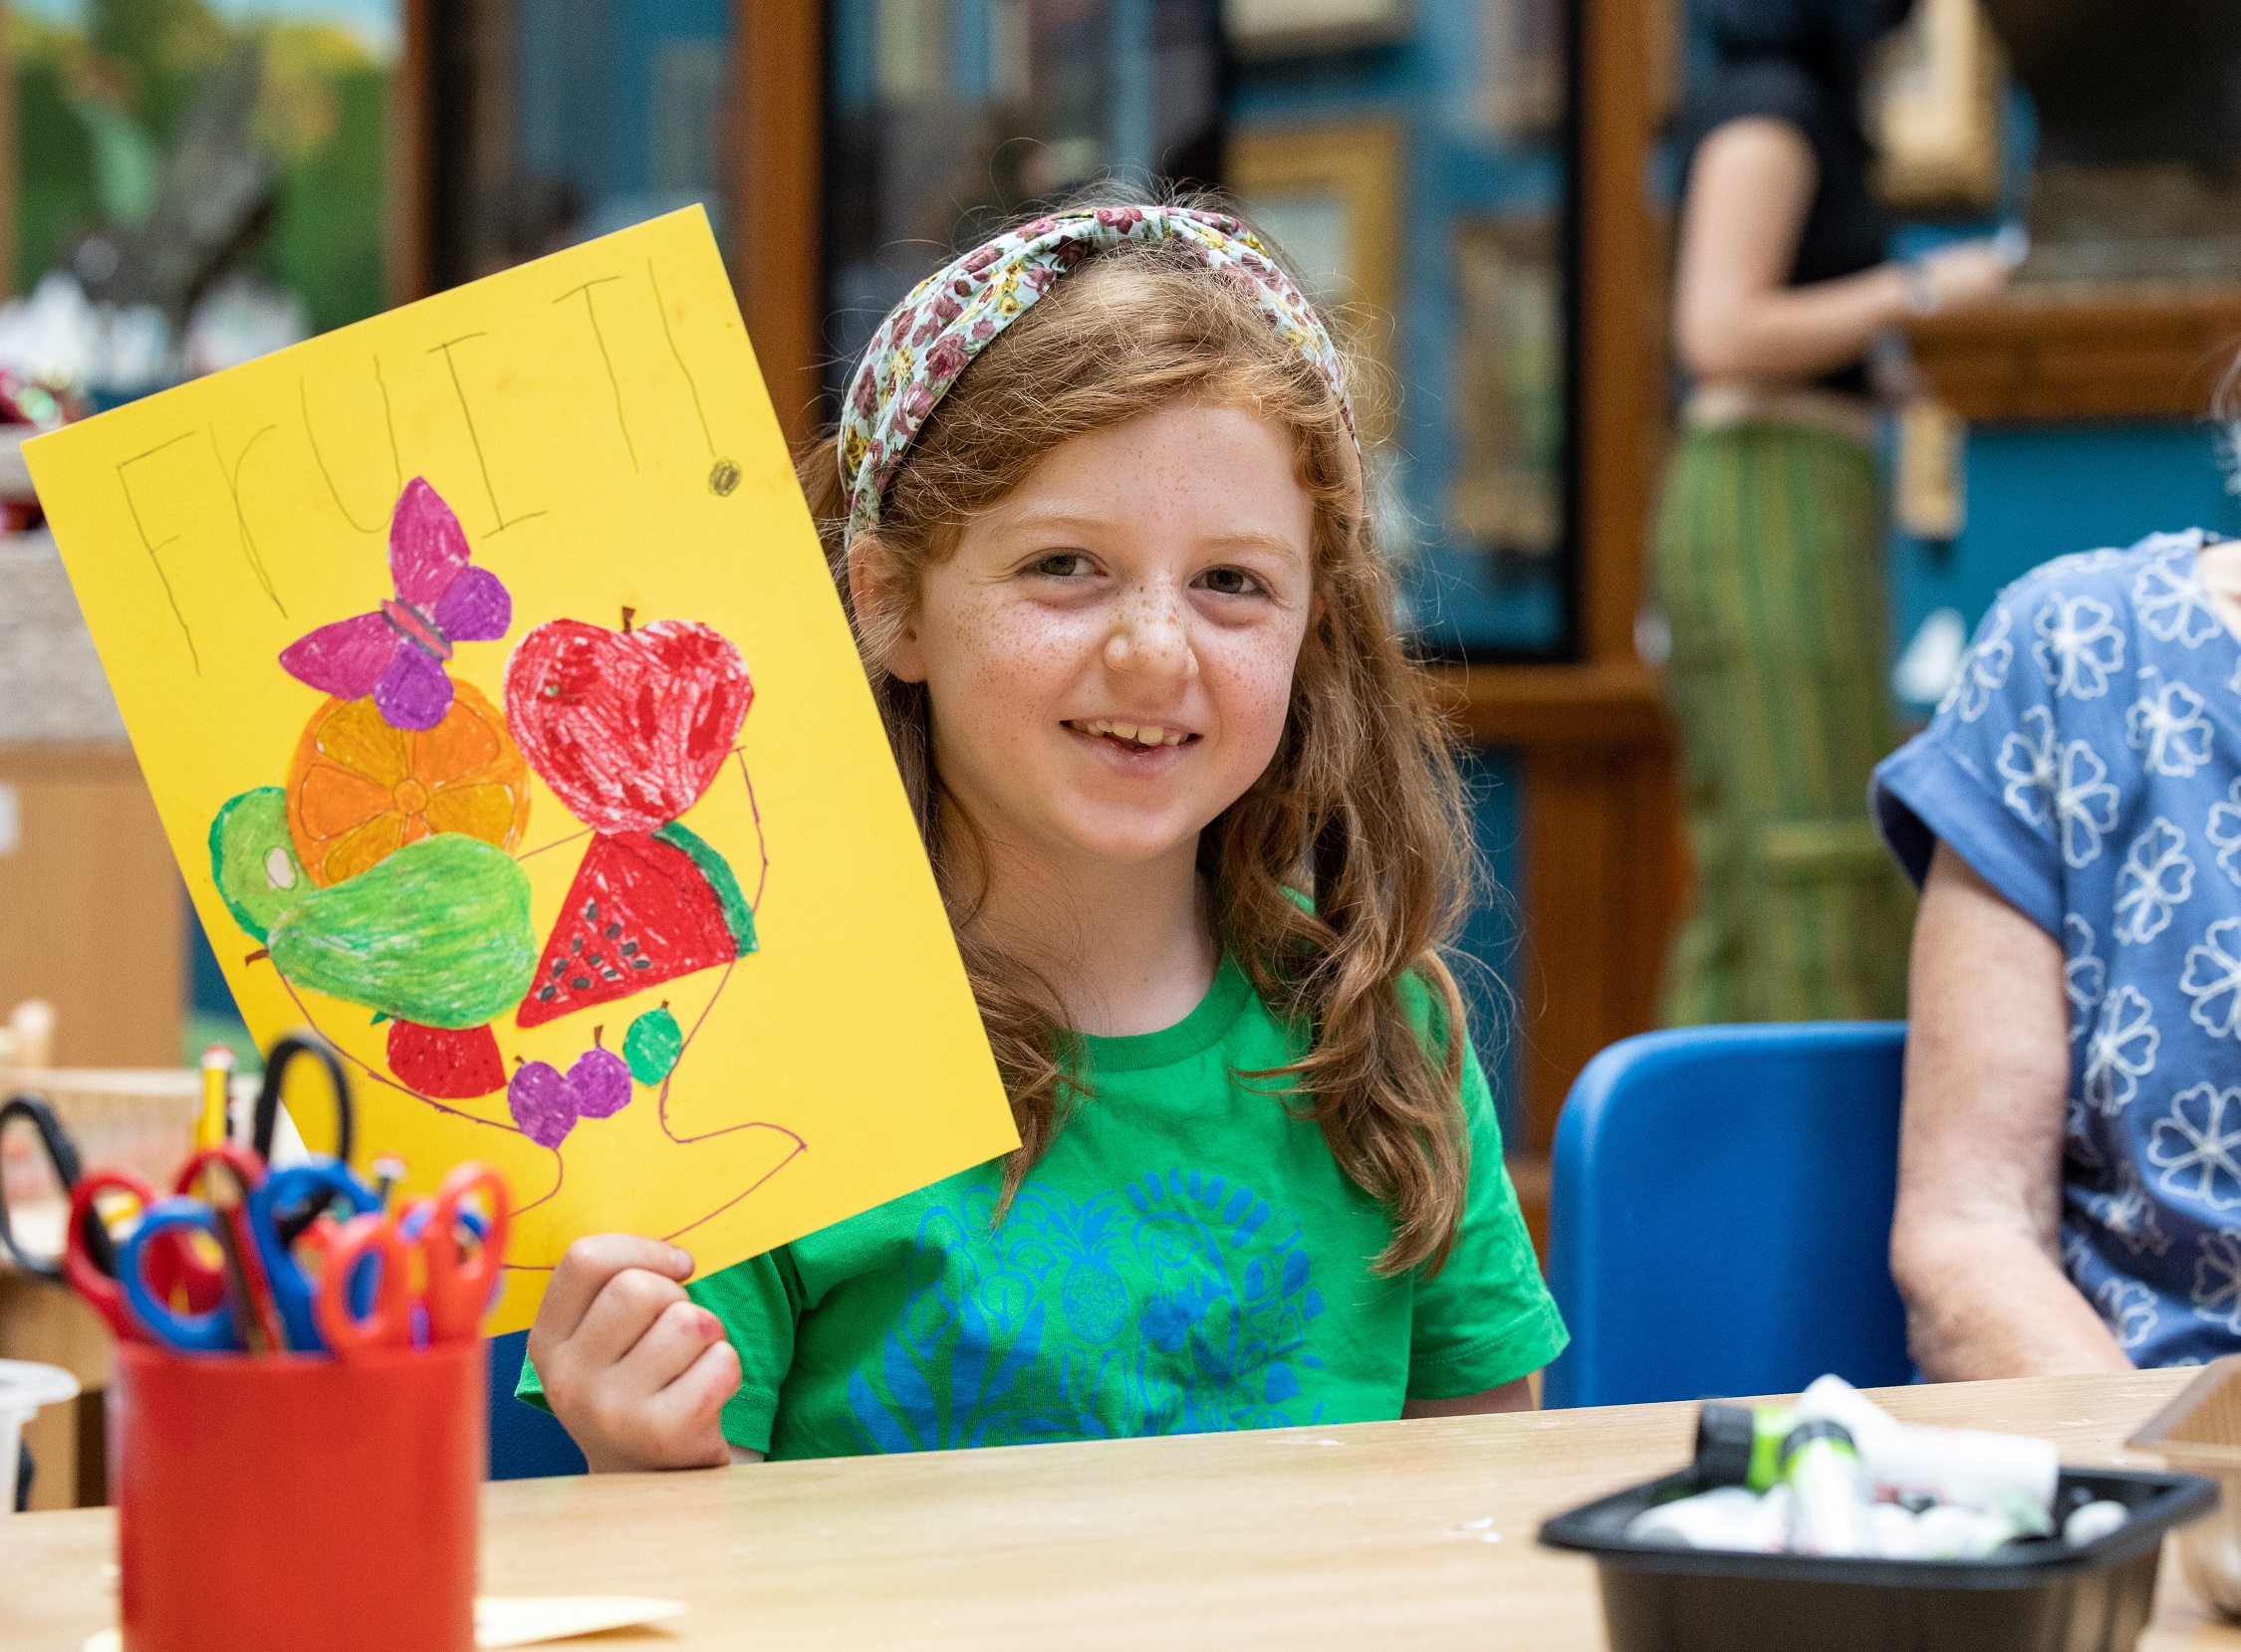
x: 1360, y: 809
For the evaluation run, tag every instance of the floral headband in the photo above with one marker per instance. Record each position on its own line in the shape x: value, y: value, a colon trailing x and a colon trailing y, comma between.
x: 950, y: 317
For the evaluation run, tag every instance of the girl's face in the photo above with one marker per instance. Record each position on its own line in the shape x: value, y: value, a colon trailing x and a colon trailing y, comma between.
x: 1109, y: 651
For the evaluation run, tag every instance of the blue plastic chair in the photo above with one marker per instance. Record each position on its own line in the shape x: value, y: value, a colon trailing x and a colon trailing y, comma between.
x: 525, y: 1442
x: 1719, y: 1213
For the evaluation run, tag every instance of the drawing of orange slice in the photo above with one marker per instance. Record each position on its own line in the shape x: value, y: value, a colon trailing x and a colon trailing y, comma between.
x: 358, y: 790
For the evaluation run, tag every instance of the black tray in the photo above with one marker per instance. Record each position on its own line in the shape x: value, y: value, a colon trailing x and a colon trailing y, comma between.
x: 2030, y: 1597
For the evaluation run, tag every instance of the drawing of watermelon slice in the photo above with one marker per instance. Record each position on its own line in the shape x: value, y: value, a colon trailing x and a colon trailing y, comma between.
x: 644, y: 907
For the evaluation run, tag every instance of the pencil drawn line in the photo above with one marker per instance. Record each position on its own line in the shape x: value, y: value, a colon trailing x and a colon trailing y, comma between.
x: 378, y: 1077
x: 800, y: 1147
x: 240, y: 516
x: 662, y: 1107
x: 557, y: 842
x: 661, y: 309
x: 151, y: 547
x: 560, y: 1176
x: 473, y: 437
x: 762, y: 846
x: 303, y: 395
x: 389, y: 418
x: 591, y: 315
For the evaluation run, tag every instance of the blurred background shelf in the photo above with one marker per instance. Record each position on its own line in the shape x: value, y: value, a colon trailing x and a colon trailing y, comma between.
x: 2085, y: 353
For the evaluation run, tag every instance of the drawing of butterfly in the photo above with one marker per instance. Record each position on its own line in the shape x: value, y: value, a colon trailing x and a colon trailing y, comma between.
x: 397, y: 653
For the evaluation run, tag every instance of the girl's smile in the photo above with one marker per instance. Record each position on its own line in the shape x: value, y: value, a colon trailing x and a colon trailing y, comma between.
x: 1109, y: 651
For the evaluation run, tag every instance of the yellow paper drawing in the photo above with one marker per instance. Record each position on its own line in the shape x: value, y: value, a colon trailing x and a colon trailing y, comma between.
x: 483, y: 663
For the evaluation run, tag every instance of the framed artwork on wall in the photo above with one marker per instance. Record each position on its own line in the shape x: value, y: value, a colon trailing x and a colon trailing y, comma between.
x: 1281, y: 28
x: 945, y: 118
x: 1329, y: 196
x: 1506, y: 493
x: 1521, y: 45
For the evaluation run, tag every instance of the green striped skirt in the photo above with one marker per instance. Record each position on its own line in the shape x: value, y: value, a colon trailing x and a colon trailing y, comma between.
x: 1770, y: 569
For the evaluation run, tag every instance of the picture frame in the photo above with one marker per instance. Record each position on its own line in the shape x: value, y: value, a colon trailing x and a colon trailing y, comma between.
x: 1329, y: 196
x: 1289, y: 28
x: 1522, y: 50
x: 1506, y: 496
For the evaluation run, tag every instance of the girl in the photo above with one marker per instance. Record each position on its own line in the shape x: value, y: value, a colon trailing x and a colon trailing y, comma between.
x: 1097, y: 511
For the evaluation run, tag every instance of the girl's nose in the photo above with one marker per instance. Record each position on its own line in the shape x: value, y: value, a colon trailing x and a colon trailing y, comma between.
x: 1151, y: 639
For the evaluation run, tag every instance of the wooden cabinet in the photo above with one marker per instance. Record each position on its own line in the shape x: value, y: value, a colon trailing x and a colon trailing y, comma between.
x: 2109, y: 353
x: 91, y: 910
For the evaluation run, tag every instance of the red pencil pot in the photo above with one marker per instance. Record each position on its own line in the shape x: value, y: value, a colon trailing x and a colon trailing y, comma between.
x: 294, y: 1500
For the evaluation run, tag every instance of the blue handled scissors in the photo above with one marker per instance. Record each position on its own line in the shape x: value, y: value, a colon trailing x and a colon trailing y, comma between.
x: 276, y: 1208
x: 282, y: 1209
x: 215, y: 1330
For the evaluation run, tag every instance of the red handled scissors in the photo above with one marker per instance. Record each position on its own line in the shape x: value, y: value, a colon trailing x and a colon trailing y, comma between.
x: 173, y: 1269
x: 460, y: 1249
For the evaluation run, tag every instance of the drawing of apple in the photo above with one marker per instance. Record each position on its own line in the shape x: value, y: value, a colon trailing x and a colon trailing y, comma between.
x: 628, y: 728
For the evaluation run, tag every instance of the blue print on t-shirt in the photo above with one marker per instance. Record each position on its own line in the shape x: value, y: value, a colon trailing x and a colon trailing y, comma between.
x: 2087, y: 764
x: 1178, y: 1305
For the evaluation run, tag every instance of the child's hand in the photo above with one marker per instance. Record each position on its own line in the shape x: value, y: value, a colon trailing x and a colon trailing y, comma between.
x: 635, y: 1370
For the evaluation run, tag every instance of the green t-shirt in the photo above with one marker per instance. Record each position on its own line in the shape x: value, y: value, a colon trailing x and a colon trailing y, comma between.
x: 1187, y: 1256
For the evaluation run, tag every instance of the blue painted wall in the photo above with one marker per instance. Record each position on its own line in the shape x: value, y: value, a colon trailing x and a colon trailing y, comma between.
x: 2037, y: 492
x: 596, y: 83
x: 1428, y: 84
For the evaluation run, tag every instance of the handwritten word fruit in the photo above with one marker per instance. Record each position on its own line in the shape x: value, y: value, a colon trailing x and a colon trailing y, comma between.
x: 546, y: 1103
x: 652, y: 1045
x: 437, y: 933
x: 394, y: 658
x: 450, y: 1063
x: 359, y: 790
x: 627, y: 728
x: 645, y: 908
x: 253, y: 861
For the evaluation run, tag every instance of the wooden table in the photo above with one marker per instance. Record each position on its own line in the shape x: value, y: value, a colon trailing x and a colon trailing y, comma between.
x: 1356, y: 1536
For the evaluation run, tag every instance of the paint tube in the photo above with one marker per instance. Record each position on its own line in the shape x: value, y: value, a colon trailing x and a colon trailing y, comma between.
x: 1829, y: 1498
x: 1741, y: 1445
x: 1728, y: 1518
x: 1970, y: 1468
x: 1946, y: 1531
x: 2094, y: 1521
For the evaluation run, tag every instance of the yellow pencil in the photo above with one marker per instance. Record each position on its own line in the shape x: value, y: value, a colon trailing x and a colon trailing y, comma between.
x: 218, y: 1086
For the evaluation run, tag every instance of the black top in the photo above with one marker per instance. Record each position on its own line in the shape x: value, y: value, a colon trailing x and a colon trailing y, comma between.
x: 1846, y: 228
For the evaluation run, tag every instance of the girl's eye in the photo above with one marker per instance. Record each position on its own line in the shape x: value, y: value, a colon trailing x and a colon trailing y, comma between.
x: 1230, y: 581
x: 1062, y: 565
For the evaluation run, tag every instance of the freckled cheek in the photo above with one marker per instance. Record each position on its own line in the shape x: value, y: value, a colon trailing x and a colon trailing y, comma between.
x: 1249, y: 680
x: 1006, y: 664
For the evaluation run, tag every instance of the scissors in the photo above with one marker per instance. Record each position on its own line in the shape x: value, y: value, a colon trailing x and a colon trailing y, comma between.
x: 266, y: 1119
x: 88, y: 1260
x: 241, y: 1312
x: 284, y: 1209
x: 62, y: 1157
x: 456, y: 1286
x: 273, y: 1210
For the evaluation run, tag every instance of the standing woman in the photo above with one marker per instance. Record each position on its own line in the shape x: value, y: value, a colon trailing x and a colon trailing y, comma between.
x: 1769, y: 551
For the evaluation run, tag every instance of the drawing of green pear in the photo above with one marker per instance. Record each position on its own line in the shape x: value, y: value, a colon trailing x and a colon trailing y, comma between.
x: 438, y: 933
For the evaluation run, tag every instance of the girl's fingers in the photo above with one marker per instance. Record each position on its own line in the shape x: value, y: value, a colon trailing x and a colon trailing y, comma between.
x: 587, y: 1267
x: 666, y: 1350
x: 630, y: 1302
x: 688, y: 1414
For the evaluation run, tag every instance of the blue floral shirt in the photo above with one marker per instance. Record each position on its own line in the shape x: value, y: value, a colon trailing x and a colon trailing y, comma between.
x: 2087, y: 764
